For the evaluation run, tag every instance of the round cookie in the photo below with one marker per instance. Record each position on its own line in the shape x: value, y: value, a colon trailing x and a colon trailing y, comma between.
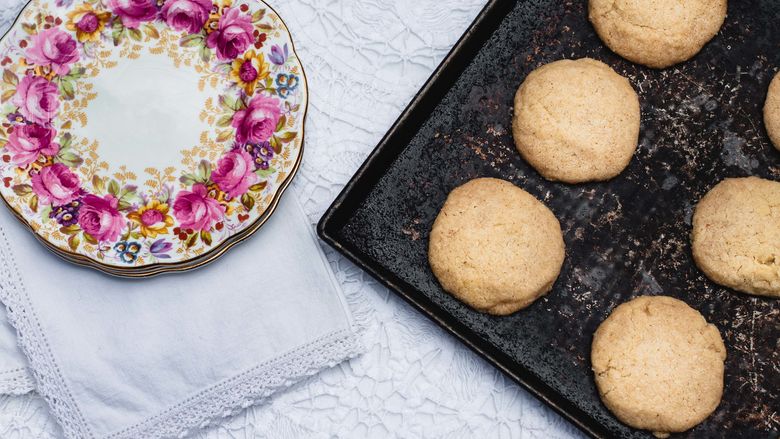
x: 657, y: 33
x: 495, y: 247
x: 772, y: 111
x: 658, y: 364
x: 576, y: 121
x: 736, y: 235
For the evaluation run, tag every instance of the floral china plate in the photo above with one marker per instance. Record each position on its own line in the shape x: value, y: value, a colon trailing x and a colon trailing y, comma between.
x: 145, y: 136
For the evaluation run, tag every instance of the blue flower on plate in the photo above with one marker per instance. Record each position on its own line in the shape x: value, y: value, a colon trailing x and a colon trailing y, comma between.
x: 286, y: 83
x: 127, y: 251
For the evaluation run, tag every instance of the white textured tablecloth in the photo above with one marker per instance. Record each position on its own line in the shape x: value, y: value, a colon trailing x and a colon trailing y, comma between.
x: 365, y: 60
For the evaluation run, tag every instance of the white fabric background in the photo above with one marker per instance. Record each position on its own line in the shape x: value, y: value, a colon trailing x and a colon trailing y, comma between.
x: 365, y: 59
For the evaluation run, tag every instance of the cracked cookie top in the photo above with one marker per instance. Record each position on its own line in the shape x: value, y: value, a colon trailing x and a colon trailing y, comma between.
x: 657, y: 33
x: 495, y: 247
x: 576, y: 121
x: 736, y: 235
x: 658, y: 364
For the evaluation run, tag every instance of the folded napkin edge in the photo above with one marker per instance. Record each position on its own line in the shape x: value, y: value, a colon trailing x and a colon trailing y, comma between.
x: 222, y: 400
x: 219, y: 401
x: 251, y: 387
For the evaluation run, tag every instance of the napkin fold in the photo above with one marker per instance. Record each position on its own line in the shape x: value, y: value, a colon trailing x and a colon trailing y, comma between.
x: 120, y: 358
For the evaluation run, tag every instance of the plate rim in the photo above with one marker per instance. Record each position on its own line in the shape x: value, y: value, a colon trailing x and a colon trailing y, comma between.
x: 157, y: 268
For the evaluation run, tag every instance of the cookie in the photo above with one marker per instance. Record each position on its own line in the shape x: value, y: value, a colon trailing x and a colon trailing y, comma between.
x: 736, y: 235
x: 657, y: 33
x: 658, y: 364
x: 772, y: 111
x: 495, y: 247
x: 576, y: 121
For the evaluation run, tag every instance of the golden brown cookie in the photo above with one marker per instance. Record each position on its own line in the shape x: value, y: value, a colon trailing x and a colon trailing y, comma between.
x: 495, y: 247
x: 736, y: 235
x: 657, y: 33
x: 658, y: 364
x: 772, y: 111
x: 576, y: 121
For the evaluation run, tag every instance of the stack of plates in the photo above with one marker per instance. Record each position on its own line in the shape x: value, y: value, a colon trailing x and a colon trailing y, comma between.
x: 139, y: 138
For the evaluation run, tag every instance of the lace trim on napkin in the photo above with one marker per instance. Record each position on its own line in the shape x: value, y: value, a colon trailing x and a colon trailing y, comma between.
x: 250, y: 388
x: 202, y: 410
x: 49, y: 382
x: 16, y: 382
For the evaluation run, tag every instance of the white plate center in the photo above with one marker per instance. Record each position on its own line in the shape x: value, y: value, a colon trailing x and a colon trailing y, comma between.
x: 145, y: 113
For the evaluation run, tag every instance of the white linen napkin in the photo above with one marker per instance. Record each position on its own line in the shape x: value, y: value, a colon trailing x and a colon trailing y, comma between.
x: 14, y: 377
x: 119, y: 358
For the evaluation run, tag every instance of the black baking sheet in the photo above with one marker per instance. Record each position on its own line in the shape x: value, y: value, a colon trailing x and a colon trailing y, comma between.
x: 701, y: 122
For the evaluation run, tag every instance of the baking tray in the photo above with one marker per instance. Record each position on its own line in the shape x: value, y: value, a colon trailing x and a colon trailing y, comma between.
x: 701, y: 122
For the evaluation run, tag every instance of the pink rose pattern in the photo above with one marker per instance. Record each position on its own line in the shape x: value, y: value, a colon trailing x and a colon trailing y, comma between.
x: 100, y: 217
x: 55, y: 48
x: 37, y: 99
x: 196, y: 210
x: 56, y: 184
x: 186, y: 15
x: 257, y: 123
x: 134, y: 12
x: 235, y: 173
x: 27, y: 143
x: 234, y: 34
x: 33, y: 144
